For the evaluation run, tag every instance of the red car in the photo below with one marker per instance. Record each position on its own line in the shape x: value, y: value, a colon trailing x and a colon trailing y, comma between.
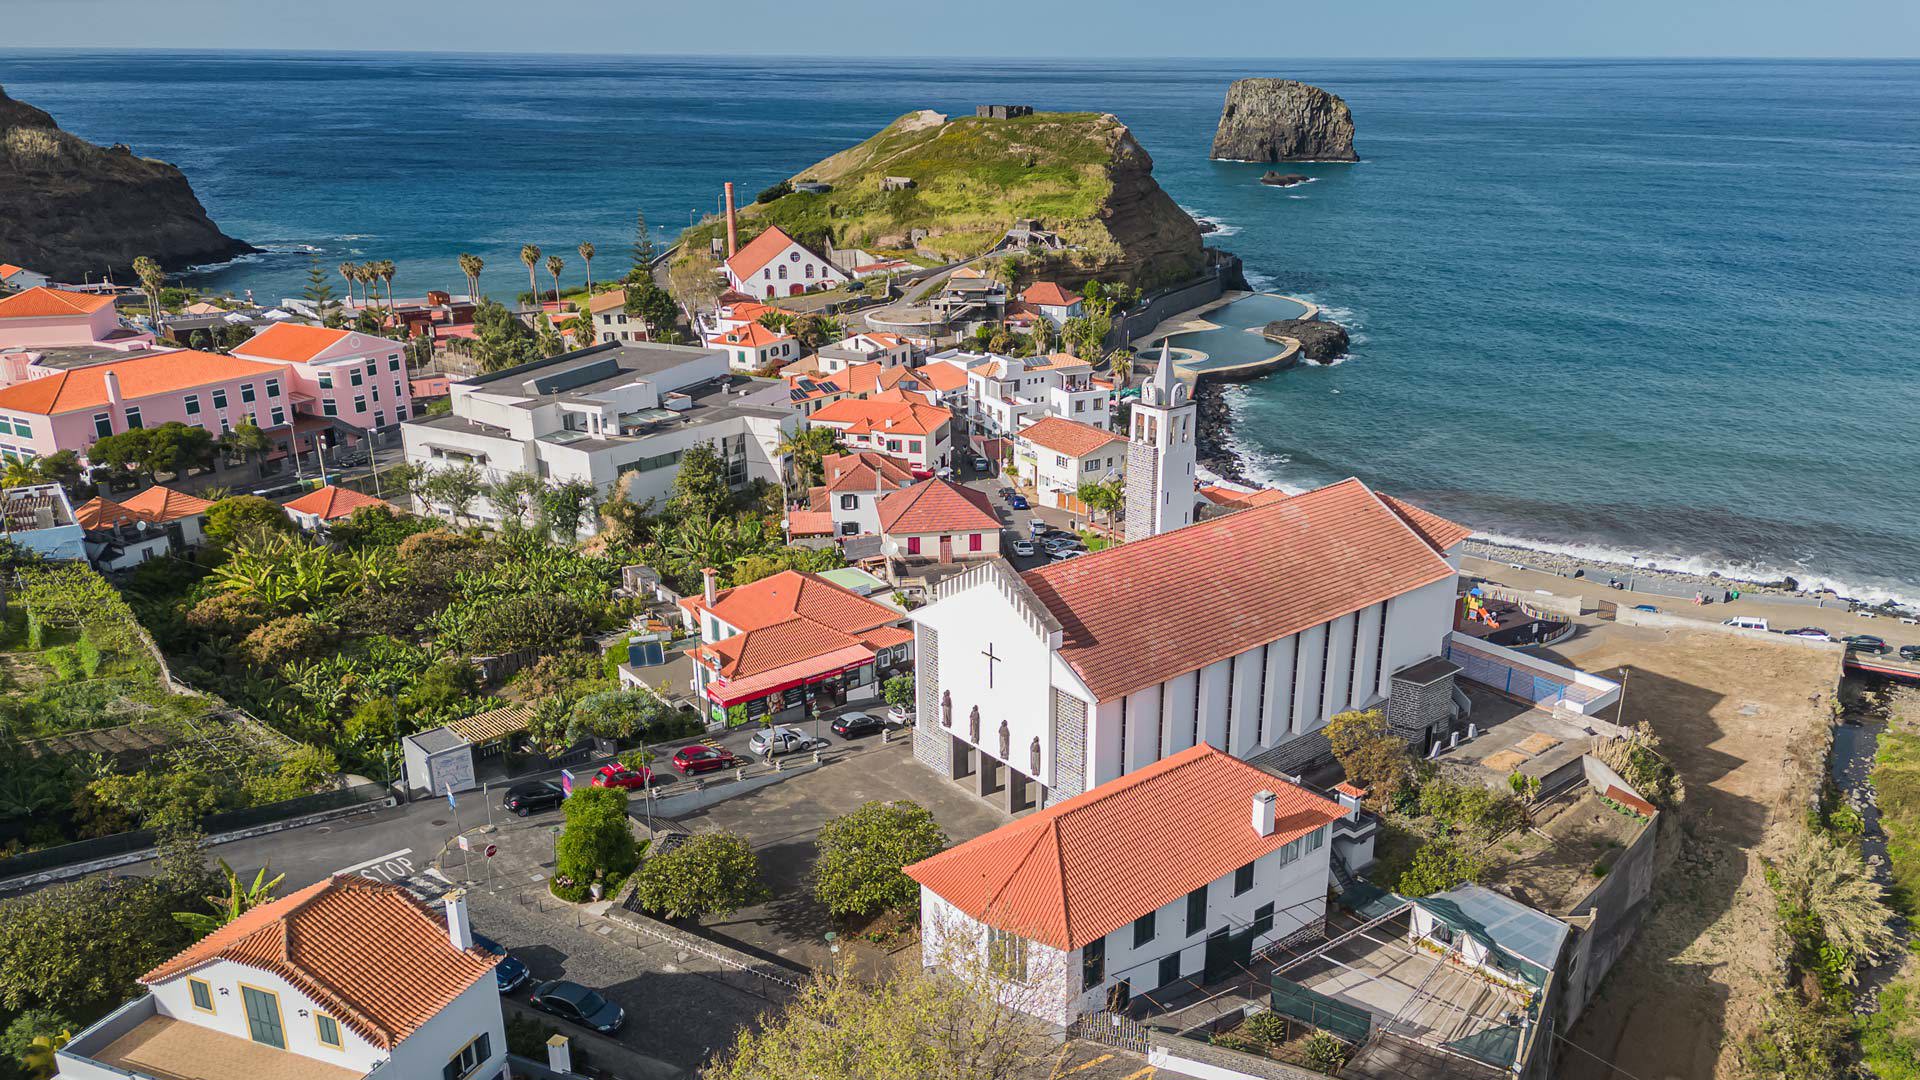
x: 698, y: 759
x: 622, y: 777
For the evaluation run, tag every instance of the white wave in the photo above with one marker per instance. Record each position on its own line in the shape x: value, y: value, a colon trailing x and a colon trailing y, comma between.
x: 1334, y: 361
x: 1221, y: 227
x: 1259, y: 281
x: 1296, y: 196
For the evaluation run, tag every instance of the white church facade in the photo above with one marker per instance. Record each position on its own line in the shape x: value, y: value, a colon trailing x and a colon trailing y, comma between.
x: 1162, y: 456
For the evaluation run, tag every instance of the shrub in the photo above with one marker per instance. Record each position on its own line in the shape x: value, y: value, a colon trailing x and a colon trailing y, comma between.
x: 712, y: 874
x: 613, y: 714
x: 1325, y: 1053
x: 535, y: 621
x: 1372, y: 755
x: 1436, y: 866
x: 597, y: 841
x: 241, y: 517
x: 1265, y: 1027
x: 554, y: 674
x: 899, y: 690
x: 286, y: 639
x: 862, y: 853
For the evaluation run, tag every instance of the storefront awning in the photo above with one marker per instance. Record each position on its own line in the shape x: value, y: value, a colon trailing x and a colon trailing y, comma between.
x: 727, y: 692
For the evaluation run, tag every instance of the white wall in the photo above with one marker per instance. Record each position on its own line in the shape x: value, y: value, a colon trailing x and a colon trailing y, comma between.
x: 173, y: 998
x: 426, y: 1052
x: 1417, y: 626
x: 1021, y: 687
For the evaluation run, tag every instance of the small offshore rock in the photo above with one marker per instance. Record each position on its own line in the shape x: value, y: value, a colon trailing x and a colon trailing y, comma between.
x: 1280, y: 179
x: 1319, y: 339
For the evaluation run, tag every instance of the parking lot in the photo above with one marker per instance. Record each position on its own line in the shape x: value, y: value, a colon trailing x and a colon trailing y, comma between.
x: 1015, y: 523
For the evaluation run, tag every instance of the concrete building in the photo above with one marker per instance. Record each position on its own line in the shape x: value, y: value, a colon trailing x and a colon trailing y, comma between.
x: 69, y: 408
x: 752, y: 348
x: 894, y: 422
x: 20, y: 279
x: 613, y: 413
x: 40, y: 518
x: 852, y: 489
x: 611, y: 321
x: 122, y: 534
x: 1052, y: 302
x: 938, y: 521
x: 43, y: 317
x: 775, y: 264
x: 319, y: 508
x: 1162, y: 455
x: 346, y: 978
x: 1181, y: 868
x: 1006, y: 393
x: 1056, y: 456
x: 884, y: 349
x: 338, y: 375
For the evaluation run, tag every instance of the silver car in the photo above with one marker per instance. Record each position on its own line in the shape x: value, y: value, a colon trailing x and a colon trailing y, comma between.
x: 780, y: 740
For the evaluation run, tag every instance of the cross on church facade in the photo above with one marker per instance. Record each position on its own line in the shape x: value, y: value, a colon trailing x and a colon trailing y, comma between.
x: 988, y: 653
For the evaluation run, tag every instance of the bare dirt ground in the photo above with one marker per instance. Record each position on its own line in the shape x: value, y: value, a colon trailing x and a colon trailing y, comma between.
x: 1743, y: 720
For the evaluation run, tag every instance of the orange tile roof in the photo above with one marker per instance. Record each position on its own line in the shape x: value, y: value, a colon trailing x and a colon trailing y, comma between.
x: 942, y: 375
x: 163, y: 504
x: 141, y: 376
x: 293, y: 342
x: 7, y: 270
x: 1433, y: 528
x: 99, y: 513
x: 612, y: 300
x: 1069, y: 437
x: 872, y: 377
x: 788, y: 618
x: 1229, y: 585
x: 888, y: 411
x: 330, y: 502
x: 753, y: 335
x: 866, y: 470
x: 937, y: 506
x: 749, y: 311
x: 364, y: 950
x: 1076, y: 871
x: 42, y: 302
x: 762, y: 250
x: 810, y: 523
x: 1221, y: 495
x: 1048, y: 294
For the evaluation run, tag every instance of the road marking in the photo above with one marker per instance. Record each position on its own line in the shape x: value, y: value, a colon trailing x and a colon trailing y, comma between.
x: 1102, y: 1059
x: 1143, y: 1074
x: 388, y: 867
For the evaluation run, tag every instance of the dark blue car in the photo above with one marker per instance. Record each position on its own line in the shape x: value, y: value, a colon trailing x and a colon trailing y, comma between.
x: 509, y: 972
x: 1018, y: 502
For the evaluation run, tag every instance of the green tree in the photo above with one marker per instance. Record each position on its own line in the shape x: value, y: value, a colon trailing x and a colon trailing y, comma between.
x: 235, y: 902
x: 60, y: 467
x: 597, y: 843
x: 454, y: 488
x: 586, y: 256
x: 555, y: 264
x: 858, y: 871
x: 125, y: 450
x: 1439, y: 865
x: 174, y: 448
x: 30, y: 1040
x: 655, y: 307
x: 642, y: 242
x: 152, y: 279
x: 246, y: 441
x: 471, y: 265
x: 319, y: 293
x: 712, y: 874
x: 805, y: 451
x: 238, y: 518
x: 1104, y: 497
x: 501, y: 340
x: 513, y: 495
x: 700, y: 489
x: 565, y: 506
x: 899, y: 690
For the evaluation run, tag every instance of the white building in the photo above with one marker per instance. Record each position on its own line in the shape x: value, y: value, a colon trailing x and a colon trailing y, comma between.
x: 122, y: 534
x: 852, y: 489
x: 1053, y: 302
x: 1162, y: 455
x: 611, y: 321
x: 938, y: 521
x: 1006, y: 393
x: 752, y: 348
x: 1247, y: 633
x: 347, y: 978
x: 1057, y: 456
x: 775, y: 264
x: 20, y: 279
x: 40, y: 518
x: 1175, y: 872
x: 887, y: 350
x: 610, y: 413
x: 895, y: 422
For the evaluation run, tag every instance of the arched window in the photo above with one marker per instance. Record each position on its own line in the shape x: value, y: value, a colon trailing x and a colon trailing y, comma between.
x: 946, y: 708
x: 1006, y: 741
x: 783, y: 273
x: 1033, y: 758
x: 973, y: 726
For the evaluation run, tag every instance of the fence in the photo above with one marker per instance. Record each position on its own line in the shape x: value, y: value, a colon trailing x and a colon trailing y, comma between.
x: 1529, y: 678
x: 1112, y: 1029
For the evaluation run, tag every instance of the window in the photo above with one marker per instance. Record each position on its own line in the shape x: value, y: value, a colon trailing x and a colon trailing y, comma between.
x: 246, y: 389
x: 330, y: 407
x: 1060, y: 460
x: 1314, y: 839
x: 279, y: 416
x: 379, y: 418
x: 273, y: 388
x: 133, y: 417
x: 1170, y: 969
x: 399, y: 413
x: 1196, y: 910
x: 102, y: 425
x: 849, y: 528
x: 225, y: 426
x: 973, y: 541
x: 1143, y: 930
x: 376, y: 393
x: 202, y: 993
x: 1243, y: 879
x: 360, y: 404
x: 22, y: 427
x: 399, y: 389
x: 1289, y: 852
x: 263, y: 1017
x: 393, y: 363
x: 326, y: 381
x: 849, y: 502
x: 219, y: 399
x: 809, y: 272
x: 1093, y: 964
x: 193, y: 404
x: 793, y: 256
x: 913, y: 545
x: 328, y: 1029
x: 1007, y: 953
x: 356, y: 377
x: 468, y: 1059
x: 783, y: 273
x: 1263, y: 919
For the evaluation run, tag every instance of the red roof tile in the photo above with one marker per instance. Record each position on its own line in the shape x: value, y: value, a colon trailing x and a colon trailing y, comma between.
x: 752, y: 335
x: 330, y: 502
x: 364, y: 950
x: 937, y: 506
x: 1230, y: 584
x: 788, y: 618
x: 1049, y: 294
x: 866, y: 470
x: 889, y: 411
x: 100, y: 513
x: 42, y: 302
x: 809, y: 523
x: 1220, y: 495
x: 942, y: 375
x: 141, y: 376
x: 1069, y: 437
x: 1078, y: 870
x: 1433, y: 528
x: 293, y: 342
x: 163, y: 504
x: 762, y: 250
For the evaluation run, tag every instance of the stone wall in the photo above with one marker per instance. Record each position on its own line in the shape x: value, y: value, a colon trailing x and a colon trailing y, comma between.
x: 1162, y: 306
x: 1143, y: 489
x: 1297, y: 754
x: 1414, y: 709
x: 932, y: 745
x: 1069, y: 747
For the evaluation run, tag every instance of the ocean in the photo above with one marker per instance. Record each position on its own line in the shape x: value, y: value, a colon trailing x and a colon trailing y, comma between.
x: 1655, y: 309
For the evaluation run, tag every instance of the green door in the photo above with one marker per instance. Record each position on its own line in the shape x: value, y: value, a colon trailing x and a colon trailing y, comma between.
x: 263, y: 1017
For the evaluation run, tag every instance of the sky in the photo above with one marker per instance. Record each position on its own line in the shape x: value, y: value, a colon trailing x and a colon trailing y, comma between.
x: 997, y: 28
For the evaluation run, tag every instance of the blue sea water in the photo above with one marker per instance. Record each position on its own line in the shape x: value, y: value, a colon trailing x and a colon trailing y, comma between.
x: 1652, y: 308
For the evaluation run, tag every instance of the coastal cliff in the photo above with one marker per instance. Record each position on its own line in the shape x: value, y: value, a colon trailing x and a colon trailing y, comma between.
x: 938, y: 189
x: 69, y: 208
x: 1283, y: 120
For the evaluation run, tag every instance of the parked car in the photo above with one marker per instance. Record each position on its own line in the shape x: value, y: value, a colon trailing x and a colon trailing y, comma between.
x: 1811, y: 633
x: 524, y: 799
x: 1746, y: 622
x: 1910, y: 652
x: 900, y: 715
x: 980, y: 464
x: 571, y: 1001
x: 1023, y: 547
x: 855, y: 724
x: 1865, y: 643
x: 780, y: 740
x: 1037, y: 527
x: 1018, y: 502
x: 1646, y: 607
x: 700, y: 758
x: 1059, y: 542
x: 510, y: 972
x: 1064, y: 554
x: 619, y: 776
x: 1007, y: 493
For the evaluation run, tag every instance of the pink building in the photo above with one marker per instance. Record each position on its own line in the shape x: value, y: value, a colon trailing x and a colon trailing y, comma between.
x: 355, y: 378
x: 68, y: 410
x: 43, y: 318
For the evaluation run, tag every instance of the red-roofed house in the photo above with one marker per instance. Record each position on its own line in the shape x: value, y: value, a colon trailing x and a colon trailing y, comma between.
x: 316, y: 508
x: 1057, y: 456
x: 122, y: 534
x: 1246, y: 632
x: 356, y: 379
x: 938, y: 520
x: 751, y: 347
x: 20, y: 278
x: 1055, y: 303
x: 775, y: 645
x: 853, y: 485
x: 69, y: 408
x: 345, y: 979
x: 894, y: 422
x: 45, y: 318
x: 775, y: 264
x: 1134, y: 884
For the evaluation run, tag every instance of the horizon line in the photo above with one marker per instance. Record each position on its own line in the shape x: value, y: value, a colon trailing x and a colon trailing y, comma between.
x: 1023, y: 57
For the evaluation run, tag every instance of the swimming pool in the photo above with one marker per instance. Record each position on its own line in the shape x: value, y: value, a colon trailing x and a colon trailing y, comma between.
x: 1231, y: 345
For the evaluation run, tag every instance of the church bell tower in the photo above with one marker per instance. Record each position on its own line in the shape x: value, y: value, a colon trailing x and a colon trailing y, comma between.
x: 1161, y: 454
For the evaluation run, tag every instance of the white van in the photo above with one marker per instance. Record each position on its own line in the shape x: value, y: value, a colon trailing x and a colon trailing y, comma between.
x: 1747, y: 622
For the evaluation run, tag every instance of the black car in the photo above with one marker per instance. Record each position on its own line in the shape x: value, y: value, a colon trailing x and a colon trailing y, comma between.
x: 1865, y: 643
x: 571, y: 1001
x: 510, y: 972
x: 853, y: 725
x: 524, y: 799
x: 1910, y: 652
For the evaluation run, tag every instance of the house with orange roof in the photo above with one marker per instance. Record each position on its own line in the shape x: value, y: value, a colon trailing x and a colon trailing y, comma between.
x: 1056, y: 456
x: 1053, y: 302
x: 853, y: 486
x: 751, y: 347
x: 355, y: 380
x: 1150, y: 879
x: 20, y: 279
x: 1006, y: 393
x: 611, y: 321
x: 775, y: 264
x: 1246, y: 632
x: 315, y: 510
x: 348, y: 978
x: 42, y: 317
x: 778, y: 645
x: 884, y: 349
x: 123, y: 533
x: 896, y: 422
x: 70, y: 408
x: 937, y: 522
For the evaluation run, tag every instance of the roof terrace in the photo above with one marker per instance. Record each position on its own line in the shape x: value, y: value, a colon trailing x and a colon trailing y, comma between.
x: 135, y: 1040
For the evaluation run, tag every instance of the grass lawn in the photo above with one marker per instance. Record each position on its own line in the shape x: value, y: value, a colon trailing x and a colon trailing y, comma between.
x: 1890, y: 1038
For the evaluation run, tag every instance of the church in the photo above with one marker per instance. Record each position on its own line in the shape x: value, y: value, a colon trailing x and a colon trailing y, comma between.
x: 1246, y: 632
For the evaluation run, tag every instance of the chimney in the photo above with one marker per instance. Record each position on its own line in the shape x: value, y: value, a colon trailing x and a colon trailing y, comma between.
x: 731, y: 234
x: 1350, y: 796
x: 559, y: 1055
x: 111, y: 380
x: 1263, y: 813
x: 711, y: 587
x: 459, y: 930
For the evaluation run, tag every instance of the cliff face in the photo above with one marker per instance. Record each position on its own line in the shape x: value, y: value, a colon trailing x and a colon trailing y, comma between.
x: 69, y: 208
x: 1158, y: 241
x: 1283, y: 120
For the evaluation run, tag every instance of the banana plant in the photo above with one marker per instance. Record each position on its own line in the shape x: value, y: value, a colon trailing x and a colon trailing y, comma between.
x: 237, y: 901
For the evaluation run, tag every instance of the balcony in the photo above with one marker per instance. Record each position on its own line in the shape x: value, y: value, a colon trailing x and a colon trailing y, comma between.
x: 136, y: 1041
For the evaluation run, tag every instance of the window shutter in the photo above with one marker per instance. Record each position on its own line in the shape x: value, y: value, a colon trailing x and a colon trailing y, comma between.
x: 451, y: 1071
x: 483, y: 1048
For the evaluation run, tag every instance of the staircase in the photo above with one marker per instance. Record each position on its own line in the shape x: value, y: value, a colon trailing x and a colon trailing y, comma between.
x: 1342, y: 873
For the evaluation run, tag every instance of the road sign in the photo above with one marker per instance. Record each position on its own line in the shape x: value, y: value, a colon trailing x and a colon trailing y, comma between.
x: 566, y: 781
x: 492, y: 850
x: 464, y: 846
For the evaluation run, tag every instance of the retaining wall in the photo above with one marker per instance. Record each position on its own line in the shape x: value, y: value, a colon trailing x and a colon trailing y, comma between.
x: 1627, y: 616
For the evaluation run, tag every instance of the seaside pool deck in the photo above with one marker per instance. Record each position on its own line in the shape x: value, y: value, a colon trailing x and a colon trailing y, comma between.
x: 1222, y: 341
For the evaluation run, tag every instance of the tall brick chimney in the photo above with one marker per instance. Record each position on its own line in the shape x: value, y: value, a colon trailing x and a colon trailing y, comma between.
x: 731, y: 234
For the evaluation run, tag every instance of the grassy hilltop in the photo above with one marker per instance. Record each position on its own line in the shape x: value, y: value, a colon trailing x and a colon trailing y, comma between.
x: 1081, y: 174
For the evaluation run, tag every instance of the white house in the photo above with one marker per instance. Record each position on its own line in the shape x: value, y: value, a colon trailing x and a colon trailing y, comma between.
x: 938, y: 520
x: 1053, y: 302
x: 852, y: 489
x: 886, y: 350
x: 611, y: 321
x: 775, y: 264
x: 1246, y: 632
x: 1006, y: 393
x: 122, y: 534
x: 751, y: 347
x: 1057, y: 456
x: 345, y: 978
x: 1162, y: 455
x: 895, y: 422
x: 1176, y: 872
x: 20, y: 279
x: 318, y: 509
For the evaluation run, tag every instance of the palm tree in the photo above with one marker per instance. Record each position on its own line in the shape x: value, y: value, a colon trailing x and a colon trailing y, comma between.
x: 471, y: 265
x: 21, y: 474
x: 586, y: 256
x: 386, y: 270
x: 151, y: 278
x: 352, y: 273
x: 555, y: 264
x: 530, y: 254
x: 806, y: 448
